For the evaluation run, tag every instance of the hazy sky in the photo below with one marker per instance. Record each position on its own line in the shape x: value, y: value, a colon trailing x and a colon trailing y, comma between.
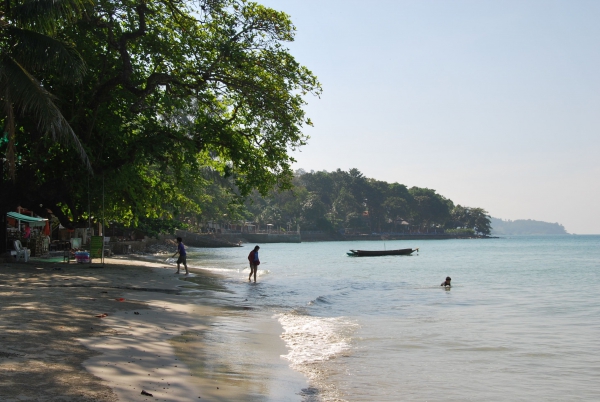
x: 494, y: 104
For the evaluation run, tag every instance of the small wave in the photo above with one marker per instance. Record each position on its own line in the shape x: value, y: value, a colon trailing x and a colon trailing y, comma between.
x: 259, y: 272
x: 214, y: 269
x: 319, y: 300
x: 228, y: 271
x: 315, y: 339
x: 312, y: 341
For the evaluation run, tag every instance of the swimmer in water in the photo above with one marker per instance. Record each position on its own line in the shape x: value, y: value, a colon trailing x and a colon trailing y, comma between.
x: 446, y: 283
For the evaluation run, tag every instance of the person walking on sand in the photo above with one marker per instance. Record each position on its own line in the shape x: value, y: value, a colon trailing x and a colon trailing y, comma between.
x: 182, y: 255
x: 254, y: 263
x: 446, y: 283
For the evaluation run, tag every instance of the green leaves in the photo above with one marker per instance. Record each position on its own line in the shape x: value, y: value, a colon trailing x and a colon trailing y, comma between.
x: 47, y: 15
x: 26, y: 49
x: 38, y: 52
x: 348, y: 200
x: 181, y: 109
x: 474, y: 219
x: 22, y: 89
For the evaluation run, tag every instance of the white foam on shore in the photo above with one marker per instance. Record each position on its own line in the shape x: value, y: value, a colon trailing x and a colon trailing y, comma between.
x: 223, y: 271
x: 315, y: 339
x: 312, y: 342
x: 220, y: 271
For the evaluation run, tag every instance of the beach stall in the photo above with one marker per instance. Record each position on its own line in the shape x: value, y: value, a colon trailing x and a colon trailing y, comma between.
x: 34, y: 235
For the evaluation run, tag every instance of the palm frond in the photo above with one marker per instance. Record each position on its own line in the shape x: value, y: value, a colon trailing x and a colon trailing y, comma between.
x: 9, y: 128
x: 24, y: 91
x: 38, y: 52
x: 45, y: 15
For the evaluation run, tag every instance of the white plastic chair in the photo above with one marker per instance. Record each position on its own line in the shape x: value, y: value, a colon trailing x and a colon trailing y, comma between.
x: 45, y: 244
x: 22, y: 252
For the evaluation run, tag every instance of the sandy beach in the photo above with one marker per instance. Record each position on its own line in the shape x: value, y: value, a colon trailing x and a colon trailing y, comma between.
x: 71, y: 332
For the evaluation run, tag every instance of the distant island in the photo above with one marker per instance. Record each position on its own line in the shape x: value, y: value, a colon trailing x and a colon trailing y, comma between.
x: 525, y: 227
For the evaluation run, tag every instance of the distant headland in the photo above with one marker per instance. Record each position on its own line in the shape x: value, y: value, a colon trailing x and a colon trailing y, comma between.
x: 525, y: 227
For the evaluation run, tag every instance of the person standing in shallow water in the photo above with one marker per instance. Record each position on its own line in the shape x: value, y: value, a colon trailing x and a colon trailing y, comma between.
x: 446, y: 283
x: 254, y: 263
x: 182, y: 255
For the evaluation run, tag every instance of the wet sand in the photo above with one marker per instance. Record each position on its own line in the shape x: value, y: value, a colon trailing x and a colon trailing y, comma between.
x: 53, y: 347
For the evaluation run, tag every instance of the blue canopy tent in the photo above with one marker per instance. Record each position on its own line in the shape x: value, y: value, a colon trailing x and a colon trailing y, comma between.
x: 31, y: 220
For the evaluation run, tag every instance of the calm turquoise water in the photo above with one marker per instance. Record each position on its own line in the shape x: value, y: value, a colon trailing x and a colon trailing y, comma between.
x: 521, y: 322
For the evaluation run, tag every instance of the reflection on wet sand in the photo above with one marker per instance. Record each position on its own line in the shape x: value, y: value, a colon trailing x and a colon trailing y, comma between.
x: 239, y: 358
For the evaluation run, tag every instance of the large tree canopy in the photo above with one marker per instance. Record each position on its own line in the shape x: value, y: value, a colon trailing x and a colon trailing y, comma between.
x: 174, y: 93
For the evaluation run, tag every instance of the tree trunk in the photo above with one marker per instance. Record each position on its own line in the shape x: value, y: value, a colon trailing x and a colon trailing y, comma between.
x: 4, y: 209
x: 3, y: 236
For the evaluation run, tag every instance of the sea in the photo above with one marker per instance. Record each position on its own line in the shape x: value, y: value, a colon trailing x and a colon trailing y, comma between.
x: 521, y: 321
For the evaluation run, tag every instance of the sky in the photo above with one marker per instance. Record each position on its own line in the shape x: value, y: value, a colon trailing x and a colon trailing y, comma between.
x: 494, y: 104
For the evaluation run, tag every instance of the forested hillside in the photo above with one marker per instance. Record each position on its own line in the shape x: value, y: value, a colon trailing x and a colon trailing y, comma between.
x: 330, y: 202
x: 347, y: 201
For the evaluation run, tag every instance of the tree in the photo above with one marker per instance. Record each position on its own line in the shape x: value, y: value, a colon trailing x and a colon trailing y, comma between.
x: 430, y: 208
x: 27, y: 48
x: 344, y: 204
x: 375, y: 195
x: 481, y: 221
x: 313, y: 214
x: 320, y: 183
x: 171, y: 89
x: 395, y: 208
x: 29, y: 54
x: 460, y: 217
x: 471, y: 218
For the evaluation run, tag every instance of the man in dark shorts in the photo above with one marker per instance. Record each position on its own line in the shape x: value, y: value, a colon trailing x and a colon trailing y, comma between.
x: 182, y: 255
x: 254, y: 262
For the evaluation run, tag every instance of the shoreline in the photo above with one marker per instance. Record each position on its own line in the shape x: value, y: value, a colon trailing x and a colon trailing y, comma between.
x: 234, y: 239
x: 161, y: 335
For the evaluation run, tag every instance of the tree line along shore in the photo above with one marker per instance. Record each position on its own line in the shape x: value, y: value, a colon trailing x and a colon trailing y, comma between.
x: 339, y: 205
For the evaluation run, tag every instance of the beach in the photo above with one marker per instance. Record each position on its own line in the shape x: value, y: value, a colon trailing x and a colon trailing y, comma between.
x: 332, y: 329
x: 74, y: 332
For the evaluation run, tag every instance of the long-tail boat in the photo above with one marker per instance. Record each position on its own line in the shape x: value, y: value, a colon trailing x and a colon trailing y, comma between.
x: 377, y: 253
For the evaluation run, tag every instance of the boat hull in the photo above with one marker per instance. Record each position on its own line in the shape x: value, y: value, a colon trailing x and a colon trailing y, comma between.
x: 378, y: 253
